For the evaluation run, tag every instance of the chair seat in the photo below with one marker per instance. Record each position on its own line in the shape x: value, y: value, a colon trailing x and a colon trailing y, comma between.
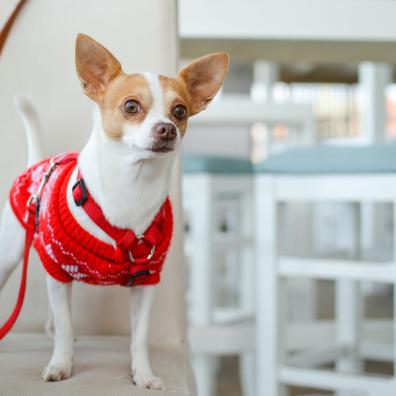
x: 196, y: 163
x: 332, y: 159
x: 101, y: 367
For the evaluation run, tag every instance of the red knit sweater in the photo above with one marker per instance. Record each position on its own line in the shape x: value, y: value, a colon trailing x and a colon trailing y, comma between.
x: 69, y: 252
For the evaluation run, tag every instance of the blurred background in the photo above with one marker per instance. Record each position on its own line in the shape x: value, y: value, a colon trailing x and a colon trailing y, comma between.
x: 304, y: 76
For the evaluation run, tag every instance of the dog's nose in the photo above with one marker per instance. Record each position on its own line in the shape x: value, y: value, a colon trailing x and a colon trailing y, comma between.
x: 165, y: 131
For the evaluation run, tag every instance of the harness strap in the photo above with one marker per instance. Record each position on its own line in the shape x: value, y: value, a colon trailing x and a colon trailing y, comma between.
x: 126, y: 240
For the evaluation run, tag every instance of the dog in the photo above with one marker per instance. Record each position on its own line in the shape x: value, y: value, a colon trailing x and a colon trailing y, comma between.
x: 140, y: 120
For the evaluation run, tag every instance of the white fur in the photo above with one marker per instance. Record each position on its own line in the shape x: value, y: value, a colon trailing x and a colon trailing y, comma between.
x: 141, y: 299
x: 130, y: 183
x: 61, y: 361
x: 31, y: 123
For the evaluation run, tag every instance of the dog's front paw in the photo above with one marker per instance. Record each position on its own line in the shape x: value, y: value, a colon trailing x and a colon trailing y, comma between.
x: 57, y: 371
x: 148, y: 381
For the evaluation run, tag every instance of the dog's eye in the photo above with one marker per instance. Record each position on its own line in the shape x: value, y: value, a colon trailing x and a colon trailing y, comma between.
x: 132, y: 107
x: 179, y: 112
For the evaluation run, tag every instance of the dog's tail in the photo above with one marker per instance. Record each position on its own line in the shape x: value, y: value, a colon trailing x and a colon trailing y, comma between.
x: 31, y: 122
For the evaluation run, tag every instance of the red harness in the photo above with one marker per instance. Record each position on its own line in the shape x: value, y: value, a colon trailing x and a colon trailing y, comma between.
x: 68, y: 252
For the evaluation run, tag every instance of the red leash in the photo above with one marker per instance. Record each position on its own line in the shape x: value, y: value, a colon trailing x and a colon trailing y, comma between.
x: 33, y: 205
x: 30, y: 233
x: 7, y: 326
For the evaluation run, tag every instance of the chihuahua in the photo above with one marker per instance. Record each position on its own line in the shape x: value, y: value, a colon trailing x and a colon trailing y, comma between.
x: 140, y: 120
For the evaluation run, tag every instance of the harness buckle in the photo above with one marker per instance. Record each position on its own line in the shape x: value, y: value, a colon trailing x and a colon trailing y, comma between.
x: 149, y: 257
x: 84, y: 193
x: 137, y: 275
x: 35, y: 197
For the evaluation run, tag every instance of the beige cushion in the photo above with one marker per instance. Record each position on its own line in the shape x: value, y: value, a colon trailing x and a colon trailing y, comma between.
x: 101, y: 367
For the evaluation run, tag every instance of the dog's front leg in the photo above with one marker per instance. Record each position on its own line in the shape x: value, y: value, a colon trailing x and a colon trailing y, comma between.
x: 141, y: 301
x: 60, y: 365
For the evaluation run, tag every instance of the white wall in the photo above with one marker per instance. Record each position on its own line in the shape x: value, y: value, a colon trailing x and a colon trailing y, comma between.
x: 360, y: 20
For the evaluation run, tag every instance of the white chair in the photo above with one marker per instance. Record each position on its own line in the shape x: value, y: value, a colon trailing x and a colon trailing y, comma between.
x: 323, y: 174
x: 38, y: 61
x: 217, y: 200
x: 242, y: 112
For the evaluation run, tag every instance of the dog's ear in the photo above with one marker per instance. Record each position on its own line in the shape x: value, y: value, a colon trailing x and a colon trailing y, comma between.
x: 95, y: 65
x: 203, y: 78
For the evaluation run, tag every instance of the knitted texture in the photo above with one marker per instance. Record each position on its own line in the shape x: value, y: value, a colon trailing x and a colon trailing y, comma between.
x: 68, y: 252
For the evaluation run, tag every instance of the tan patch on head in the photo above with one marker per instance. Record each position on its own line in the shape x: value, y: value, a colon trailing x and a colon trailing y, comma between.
x: 121, y: 89
x: 175, y: 94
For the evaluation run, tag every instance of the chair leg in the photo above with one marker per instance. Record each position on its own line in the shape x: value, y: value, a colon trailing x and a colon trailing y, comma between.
x: 247, y: 292
x: 247, y: 370
x: 247, y: 360
x: 204, y: 371
x: 201, y: 280
x: 349, y: 310
x: 267, y: 290
x: 247, y: 373
x: 348, y: 324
